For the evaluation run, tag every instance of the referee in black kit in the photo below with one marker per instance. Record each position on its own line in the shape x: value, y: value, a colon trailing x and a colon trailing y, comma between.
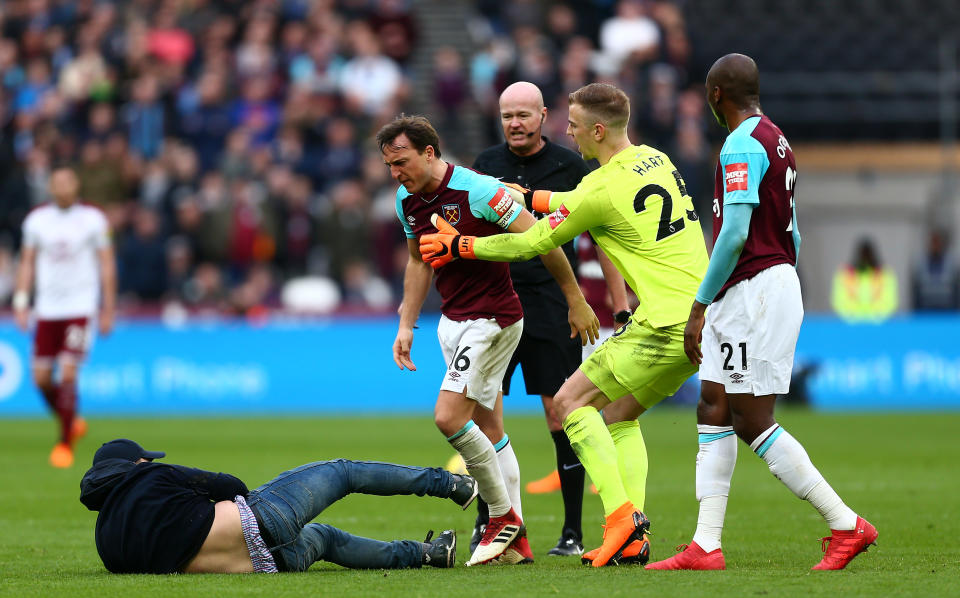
x: 546, y: 353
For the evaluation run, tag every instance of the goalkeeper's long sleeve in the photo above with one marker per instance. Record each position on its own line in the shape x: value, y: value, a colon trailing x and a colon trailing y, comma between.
x: 551, y: 231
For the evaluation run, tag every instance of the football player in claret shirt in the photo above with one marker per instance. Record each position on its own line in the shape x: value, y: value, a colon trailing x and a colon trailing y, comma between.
x: 750, y: 330
x: 68, y: 260
x: 481, y: 318
x: 636, y: 209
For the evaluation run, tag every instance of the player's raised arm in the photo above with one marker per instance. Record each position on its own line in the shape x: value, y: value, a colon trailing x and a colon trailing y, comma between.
x: 416, y: 285
x: 582, y: 320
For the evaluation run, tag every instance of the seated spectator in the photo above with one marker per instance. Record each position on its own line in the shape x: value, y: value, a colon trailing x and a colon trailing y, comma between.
x: 393, y: 24
x: 256, y: 111
x: 142, y: 259
x: 936, y: 277
x: 370, y: 82
x: 631, y: 34
x: 144, y: 117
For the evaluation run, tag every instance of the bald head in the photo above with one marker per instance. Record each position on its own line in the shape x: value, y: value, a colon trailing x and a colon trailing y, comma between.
x: 522, y: 114
x: 522, y: 92
x: 733, y: 89
x: 737, y: 77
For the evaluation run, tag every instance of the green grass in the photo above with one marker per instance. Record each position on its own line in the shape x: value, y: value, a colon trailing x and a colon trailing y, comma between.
x: 897, y: 470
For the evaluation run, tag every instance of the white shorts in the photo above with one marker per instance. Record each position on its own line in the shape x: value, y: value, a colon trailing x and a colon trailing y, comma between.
x: 751, y: 333
x: 477, y: 353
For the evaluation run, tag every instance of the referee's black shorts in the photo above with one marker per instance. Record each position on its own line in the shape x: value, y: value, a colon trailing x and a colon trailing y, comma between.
x: 546, y: 354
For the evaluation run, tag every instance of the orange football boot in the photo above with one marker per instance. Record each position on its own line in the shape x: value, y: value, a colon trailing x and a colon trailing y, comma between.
x: 623, y: 526
x: 61, y: 456
x: 546, y: 485
x: 636, y: 553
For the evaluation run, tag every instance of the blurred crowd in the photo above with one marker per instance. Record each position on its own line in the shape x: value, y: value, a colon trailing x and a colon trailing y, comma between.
x: 229, y: 141
x: 226, y: 140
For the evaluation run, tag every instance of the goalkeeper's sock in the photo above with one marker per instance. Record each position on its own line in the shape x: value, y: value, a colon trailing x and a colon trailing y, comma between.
x: 591, y: 440
x: 715, y: 462
x: 631, y: 459
x: 571, y: 483
x: 481, y: 462
x: 510, y: 470
x: 789, y: 462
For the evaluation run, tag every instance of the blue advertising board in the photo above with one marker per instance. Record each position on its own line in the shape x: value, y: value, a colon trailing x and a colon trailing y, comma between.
x: 346, y: 366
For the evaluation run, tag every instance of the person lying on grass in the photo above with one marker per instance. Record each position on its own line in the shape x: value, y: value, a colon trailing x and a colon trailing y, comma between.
x: 164, y: 518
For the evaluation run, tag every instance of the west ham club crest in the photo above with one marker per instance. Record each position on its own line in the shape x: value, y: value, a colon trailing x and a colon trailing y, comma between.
x: 451, y: 213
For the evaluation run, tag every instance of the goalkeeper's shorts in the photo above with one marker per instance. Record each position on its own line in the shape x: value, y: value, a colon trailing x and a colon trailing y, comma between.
x: 640, y: 360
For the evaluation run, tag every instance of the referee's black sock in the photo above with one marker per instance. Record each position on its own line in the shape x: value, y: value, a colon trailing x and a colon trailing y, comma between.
x: 483, y: 514
x: 571, y: 483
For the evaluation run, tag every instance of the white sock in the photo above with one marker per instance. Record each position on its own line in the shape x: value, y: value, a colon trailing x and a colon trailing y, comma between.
x: 481, y: 462
x: 510, y: 469
x: 789, y: 462
x: 715, y: 462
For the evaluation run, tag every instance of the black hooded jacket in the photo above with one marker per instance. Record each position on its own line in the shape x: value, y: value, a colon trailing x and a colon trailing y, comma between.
x: 153, y: 517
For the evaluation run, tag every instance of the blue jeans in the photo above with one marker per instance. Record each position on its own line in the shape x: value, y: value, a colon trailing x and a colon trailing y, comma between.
x: 286, y: 505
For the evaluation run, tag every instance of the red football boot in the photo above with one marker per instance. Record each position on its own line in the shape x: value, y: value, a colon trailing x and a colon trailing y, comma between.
x: 846, y: 544
x: 518, y: 553
x: 497, y: 537
x: 692, y: 558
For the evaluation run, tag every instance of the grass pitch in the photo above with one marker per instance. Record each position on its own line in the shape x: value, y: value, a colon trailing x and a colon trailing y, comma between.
x: 899, y: 471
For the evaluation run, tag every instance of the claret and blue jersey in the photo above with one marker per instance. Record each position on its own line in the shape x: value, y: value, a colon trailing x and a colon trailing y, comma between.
x: 477, y: 205
x: 757, y: 167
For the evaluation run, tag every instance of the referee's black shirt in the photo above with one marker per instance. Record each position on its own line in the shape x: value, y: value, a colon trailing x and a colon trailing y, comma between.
x: 553, y: 168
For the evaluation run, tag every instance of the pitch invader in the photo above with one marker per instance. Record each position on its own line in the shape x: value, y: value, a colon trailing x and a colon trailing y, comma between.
x: 67, y: 245
x: 749, y: 333
x: 481, y: 321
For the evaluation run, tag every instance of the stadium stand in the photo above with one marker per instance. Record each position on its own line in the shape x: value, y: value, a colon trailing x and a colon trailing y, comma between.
x: 229, y: 141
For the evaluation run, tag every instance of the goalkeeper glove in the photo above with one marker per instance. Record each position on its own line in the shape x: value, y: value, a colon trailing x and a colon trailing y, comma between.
x: 446, y: 245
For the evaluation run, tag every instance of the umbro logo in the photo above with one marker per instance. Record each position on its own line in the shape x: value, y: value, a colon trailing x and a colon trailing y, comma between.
x: 411, y: 219
x: 737, y: 378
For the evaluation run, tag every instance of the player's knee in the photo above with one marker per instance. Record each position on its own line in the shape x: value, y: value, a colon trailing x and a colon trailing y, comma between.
x: 68, y: 373
x: 712, y: 414
x: 447, y: 423
x: 749, y: 428
x: 563, y: 405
